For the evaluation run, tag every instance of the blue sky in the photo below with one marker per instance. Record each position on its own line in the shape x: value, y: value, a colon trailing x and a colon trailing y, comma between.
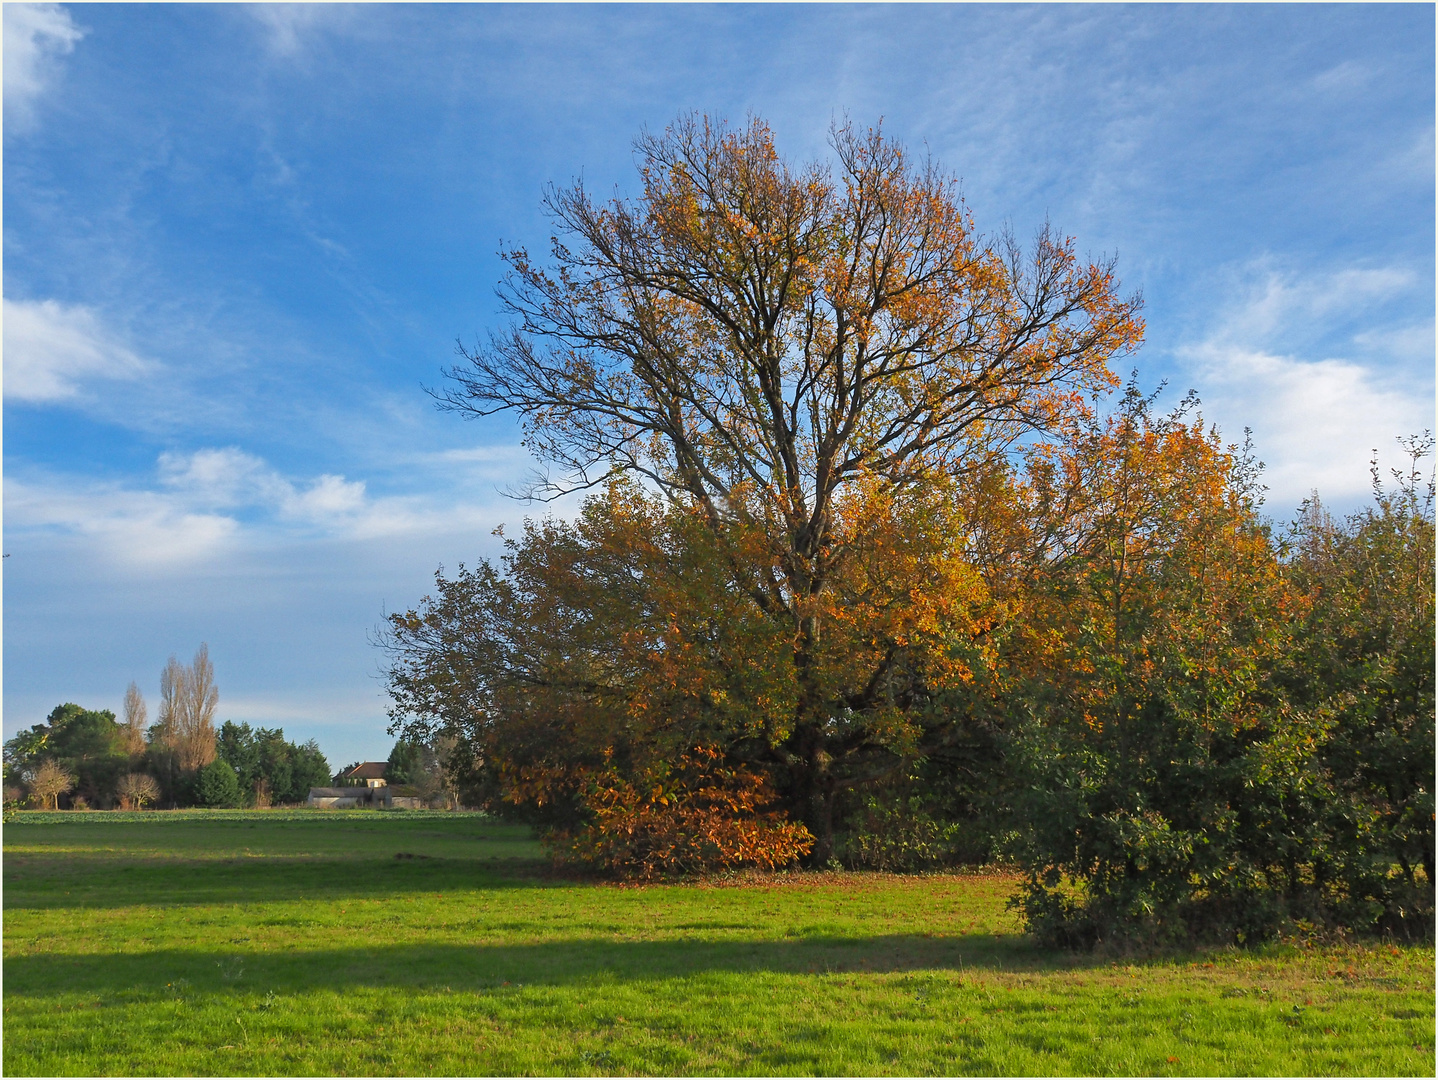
x: 240, y: 240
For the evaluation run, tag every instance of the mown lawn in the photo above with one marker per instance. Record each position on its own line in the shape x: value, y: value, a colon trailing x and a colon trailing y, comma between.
x: 356, y: 942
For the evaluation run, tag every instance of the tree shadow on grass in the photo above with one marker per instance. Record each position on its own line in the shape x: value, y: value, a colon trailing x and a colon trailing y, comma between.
x: 500, y: 968
x: 82, y: 881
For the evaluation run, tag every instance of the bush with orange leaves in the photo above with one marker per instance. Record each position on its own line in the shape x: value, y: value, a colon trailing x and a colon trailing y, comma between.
x: 695, y: 816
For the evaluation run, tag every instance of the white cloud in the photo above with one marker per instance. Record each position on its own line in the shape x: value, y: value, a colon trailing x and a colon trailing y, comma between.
x: 505, y: 465
x: 1317, y: 420
x: 1346, y: 77
x: 329, y: 496
x: 1407, y: 345
x: 36, y: 36
x: 1279, y: 305
x: 507, y: 455
x: 211, y: 502
x: 141, y: 528
x: 1413, y: 162
x: 52, y: 349
x: 226, y: 478
x: 231, y: 479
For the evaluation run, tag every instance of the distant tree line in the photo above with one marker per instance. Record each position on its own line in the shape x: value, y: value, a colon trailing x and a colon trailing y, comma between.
x: 268, y: 769
x: 871, y: 571
x: 86, y: 758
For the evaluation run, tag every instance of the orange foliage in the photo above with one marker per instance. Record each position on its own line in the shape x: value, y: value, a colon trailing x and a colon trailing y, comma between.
x: 1156, y: 571
x: 801, y: 362
x: 695, y: 816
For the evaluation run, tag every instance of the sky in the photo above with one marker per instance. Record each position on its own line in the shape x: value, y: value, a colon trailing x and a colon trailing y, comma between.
x: 241, y: 241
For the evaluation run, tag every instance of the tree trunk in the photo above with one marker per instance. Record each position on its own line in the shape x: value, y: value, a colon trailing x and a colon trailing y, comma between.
x: 810, y: 764
x: 812, y: 782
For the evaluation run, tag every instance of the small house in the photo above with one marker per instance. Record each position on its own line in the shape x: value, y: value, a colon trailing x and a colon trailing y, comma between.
x: 365, y: 774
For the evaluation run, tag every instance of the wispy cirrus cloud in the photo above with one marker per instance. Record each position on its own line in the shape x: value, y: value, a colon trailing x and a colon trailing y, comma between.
x: 37, y: 36
x: 287, y: 27
x: 1275, y: 305
x: 55, y: 352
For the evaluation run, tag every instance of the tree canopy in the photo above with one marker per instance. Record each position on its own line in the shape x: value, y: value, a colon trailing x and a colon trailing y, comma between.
x: 268, y: 766
x: 797, y: 358
x: 86, y: 744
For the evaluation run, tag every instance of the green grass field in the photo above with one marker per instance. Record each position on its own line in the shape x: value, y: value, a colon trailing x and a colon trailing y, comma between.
x: 356, y: 942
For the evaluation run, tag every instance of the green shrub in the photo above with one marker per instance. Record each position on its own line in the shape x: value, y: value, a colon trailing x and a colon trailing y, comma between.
x: 1365, y: 655
x: 1220, y: 743
x: 217, y: 785
x: 897, y: 833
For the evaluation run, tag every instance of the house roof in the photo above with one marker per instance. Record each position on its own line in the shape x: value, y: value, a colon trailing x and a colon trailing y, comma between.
x: 365, y: 770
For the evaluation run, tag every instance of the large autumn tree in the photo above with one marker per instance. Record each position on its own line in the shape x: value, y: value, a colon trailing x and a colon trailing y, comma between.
x: 791, y: 356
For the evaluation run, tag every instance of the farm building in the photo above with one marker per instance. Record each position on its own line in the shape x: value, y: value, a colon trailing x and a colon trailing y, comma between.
x: 362, y: 785
x: 341, y: 798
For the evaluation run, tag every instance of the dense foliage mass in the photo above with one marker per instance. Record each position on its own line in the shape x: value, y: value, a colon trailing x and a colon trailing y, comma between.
x: 870, y: 570
x: 1178, y: 748
x: 81, y: 745
x: 268, y: 768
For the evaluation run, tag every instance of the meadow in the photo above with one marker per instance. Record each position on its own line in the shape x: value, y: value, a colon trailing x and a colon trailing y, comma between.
x: 367, y: 943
